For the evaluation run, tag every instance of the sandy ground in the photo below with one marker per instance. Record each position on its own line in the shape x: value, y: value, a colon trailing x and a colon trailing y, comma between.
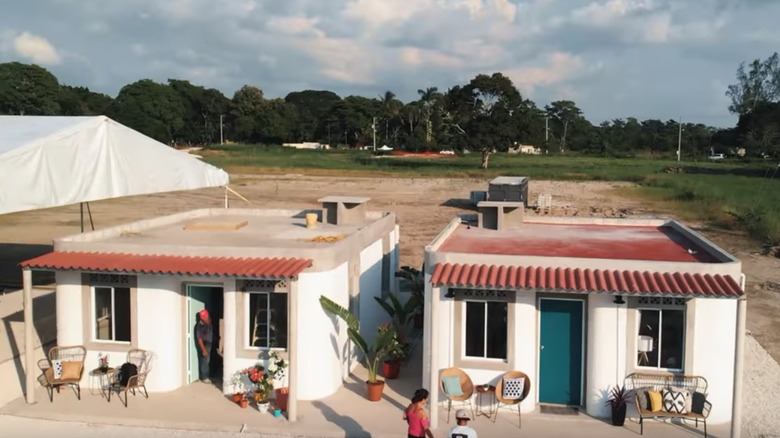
x: 423, y: 207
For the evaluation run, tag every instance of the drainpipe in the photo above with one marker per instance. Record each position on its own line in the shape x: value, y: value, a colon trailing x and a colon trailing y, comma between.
x: 29, y: 355
x: 736, y: 407
x: 431, y: 329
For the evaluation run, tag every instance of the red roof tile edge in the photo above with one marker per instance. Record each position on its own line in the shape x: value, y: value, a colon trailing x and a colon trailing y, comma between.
x: 585, y: 280
x: 168, y: 264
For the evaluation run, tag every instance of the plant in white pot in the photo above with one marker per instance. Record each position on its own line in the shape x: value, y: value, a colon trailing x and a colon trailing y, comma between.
x: 373, y: 355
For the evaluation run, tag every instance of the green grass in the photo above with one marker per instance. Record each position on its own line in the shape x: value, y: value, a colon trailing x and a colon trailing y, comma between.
x: 725, y: 194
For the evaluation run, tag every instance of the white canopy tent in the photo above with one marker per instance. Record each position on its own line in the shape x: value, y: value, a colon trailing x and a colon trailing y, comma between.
x: 48, y: 161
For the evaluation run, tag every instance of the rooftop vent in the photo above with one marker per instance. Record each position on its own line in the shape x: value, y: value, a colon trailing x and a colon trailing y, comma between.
x: 344, y: 210
x: 499, y: 215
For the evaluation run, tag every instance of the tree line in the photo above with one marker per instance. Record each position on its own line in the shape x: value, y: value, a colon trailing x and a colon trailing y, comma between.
x: 486, y: 114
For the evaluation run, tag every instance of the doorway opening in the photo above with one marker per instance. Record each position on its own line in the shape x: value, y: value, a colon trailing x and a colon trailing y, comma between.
x: 207, y: 297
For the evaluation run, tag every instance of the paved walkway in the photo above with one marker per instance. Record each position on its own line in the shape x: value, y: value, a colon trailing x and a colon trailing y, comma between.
x: 345, y: 414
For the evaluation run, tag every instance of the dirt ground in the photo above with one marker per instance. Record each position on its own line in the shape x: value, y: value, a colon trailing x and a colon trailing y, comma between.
x: 423, y: 207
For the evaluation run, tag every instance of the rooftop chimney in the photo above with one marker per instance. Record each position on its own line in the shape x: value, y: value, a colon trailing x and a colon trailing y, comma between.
x: 500, y: 215
x: 344, y: 210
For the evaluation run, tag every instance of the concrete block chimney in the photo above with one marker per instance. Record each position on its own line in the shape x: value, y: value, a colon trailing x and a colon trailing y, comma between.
x: 500, y: 215
x: 344, y: 210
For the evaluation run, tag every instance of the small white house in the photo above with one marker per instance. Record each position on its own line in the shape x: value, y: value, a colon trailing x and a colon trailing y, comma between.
x: 579, y: 304
x: 259, y: 273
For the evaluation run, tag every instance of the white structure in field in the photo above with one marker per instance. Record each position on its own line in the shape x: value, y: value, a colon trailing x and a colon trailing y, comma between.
x: 259, y: 273
x: 580, y: 304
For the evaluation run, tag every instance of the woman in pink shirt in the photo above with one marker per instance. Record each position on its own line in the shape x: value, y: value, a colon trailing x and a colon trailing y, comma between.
x: 416, y: 416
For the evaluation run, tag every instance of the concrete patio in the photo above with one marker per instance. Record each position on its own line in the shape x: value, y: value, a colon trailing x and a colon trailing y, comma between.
x: 344, y: 414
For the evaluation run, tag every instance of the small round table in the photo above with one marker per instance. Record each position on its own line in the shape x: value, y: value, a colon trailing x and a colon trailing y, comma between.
x: 485, y: 389
x: 103, y: 379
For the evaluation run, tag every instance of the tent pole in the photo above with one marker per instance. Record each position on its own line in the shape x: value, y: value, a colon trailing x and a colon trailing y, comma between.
x: 226, y: 197
x: 89, y: 211
x: 29, y: 354
x: 81, y: 211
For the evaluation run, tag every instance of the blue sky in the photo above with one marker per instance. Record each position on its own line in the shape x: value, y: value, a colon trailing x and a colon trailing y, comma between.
x: 616, y: 58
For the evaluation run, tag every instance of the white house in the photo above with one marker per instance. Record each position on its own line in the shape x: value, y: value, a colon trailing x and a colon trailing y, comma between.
x: 259, y: 273
x: 567, y: 301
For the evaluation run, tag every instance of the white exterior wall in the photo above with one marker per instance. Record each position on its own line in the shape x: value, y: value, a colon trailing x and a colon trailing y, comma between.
x: 160, y: 322
x: 322, y: 338
x: 371, y: 313
x: 715, y: 328
x: 606, y: 351
x: 70, y: 328
x: 230, y: 364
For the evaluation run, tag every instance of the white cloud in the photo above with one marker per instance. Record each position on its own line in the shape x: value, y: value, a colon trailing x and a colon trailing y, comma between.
x: 35, y: 48
x: 416, y: 57
x: 559, y: 67
x: 138, y: 49
x: 341, y: 59
x: 301, y: 26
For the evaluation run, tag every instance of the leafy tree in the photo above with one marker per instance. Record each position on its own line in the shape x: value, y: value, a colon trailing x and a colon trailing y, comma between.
x: 151, y: 108
x: 759, y: 85
x: 28, y: 89
x: 313, y: 109
x: 564, y: 114
x: 80, y: 101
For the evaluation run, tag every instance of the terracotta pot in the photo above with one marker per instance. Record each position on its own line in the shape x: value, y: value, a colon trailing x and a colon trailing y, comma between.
x: 391, y: 369
x: 237, y: 397
x: 243, y: 403
x: 282, y: 395
x: 374, y: 390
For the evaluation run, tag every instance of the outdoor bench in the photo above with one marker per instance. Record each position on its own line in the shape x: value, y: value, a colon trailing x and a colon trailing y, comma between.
x: 682, y: 397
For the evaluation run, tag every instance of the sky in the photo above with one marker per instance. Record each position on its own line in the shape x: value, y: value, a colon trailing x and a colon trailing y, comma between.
x: 664, y: 59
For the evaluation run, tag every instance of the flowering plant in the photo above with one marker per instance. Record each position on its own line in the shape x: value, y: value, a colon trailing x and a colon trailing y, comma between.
x: 102, y: 361
x: 264, y: 377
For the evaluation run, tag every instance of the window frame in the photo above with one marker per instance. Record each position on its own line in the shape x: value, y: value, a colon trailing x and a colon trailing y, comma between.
x: 94, y: 319
x: 678, y: 304
x: 248, y: 319
x: 90, y: 280
x: 485, y: 328
x: 462, y: 296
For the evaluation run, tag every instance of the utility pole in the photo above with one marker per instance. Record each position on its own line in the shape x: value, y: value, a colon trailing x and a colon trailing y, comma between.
x: 373, y: 126
x: 221, y: 139
x: 546, y: 129
x: 328, y: 134
x: 679, y: 140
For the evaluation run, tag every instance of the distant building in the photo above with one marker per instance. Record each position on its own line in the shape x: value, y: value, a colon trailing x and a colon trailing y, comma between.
x: 305, y: 145
x: 524, y: 149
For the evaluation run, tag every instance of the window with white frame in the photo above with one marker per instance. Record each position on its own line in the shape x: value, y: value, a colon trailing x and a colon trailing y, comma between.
x: 661, y: 333
x: 111, y: 314
x: 485, y: 325
x: 267, y: 319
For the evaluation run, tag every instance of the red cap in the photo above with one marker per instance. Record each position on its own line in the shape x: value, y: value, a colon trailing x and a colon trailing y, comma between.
x: 204, y: 315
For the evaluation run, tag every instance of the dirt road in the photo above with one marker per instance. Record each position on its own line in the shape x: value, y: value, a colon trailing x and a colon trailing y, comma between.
x: 423, y: 207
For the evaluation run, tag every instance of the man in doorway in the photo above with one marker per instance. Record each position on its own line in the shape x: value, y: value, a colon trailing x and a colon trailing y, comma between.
x: 203, y: 337
x: 462, y: 430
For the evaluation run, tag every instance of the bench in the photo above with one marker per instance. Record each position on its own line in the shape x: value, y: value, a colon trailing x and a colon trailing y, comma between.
x: 697, y: 407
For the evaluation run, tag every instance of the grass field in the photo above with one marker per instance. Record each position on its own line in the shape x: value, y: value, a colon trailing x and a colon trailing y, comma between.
x: 725, y: 194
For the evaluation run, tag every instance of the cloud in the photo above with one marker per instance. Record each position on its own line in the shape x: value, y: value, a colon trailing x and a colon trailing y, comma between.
x: 557, y: 68
x: 35, y: 48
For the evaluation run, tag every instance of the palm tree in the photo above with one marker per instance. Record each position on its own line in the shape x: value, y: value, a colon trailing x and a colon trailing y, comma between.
x: 391, y: 108
x: 430, y: 98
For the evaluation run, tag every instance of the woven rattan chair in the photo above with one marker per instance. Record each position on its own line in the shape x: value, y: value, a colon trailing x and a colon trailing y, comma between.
x: 466, y: 385
x: 69, y: 360
x: 513, y: 401
x: 142, y: 359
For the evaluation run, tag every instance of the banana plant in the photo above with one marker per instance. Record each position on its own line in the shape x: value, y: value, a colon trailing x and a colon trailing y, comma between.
x: 373, y: 355
x: 401, y: 314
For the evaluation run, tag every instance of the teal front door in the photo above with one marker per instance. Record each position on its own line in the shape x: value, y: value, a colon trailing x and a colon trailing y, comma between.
x: 198, y: 298
x: 560, y: 351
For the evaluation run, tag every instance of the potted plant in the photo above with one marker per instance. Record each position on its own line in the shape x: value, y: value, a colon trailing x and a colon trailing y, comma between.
x: 237, y: 383
x: 243, y: 402
x: 373, y: 355
x: 618, y: 400
x: 391, y: 366
x: 401, y: 314
x: 276, y: 372
x: 259, y: 378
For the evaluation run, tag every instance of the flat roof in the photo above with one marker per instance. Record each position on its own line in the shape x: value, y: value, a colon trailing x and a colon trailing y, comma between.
x: 577, y: 240
x: 221, y: 228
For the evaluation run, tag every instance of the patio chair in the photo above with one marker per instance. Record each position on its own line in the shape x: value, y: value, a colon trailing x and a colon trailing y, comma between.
x: 456, y: 386
x: 511, y: 391
x: 142, y: 359
x: 64, y: 366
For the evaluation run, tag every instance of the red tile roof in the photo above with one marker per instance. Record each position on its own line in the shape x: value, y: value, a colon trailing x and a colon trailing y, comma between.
x: 168, y: 264
x: 584, y: 280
